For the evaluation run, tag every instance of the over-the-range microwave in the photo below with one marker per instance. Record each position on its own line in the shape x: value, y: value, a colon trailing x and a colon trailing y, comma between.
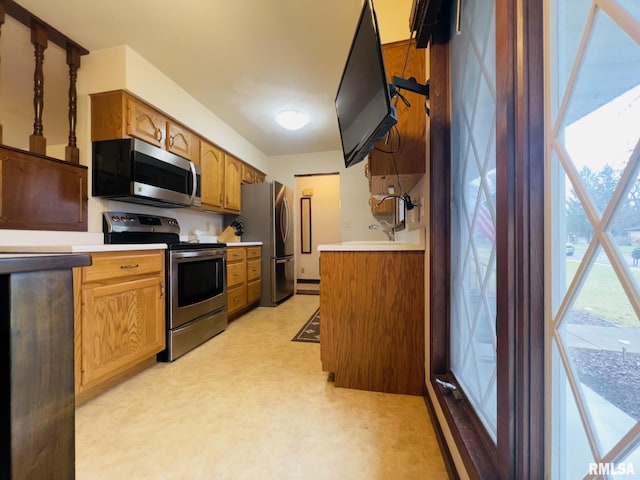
x: 131, y: 170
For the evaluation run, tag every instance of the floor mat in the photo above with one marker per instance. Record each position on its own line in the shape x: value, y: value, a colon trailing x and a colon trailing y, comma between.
x: 310, y: 332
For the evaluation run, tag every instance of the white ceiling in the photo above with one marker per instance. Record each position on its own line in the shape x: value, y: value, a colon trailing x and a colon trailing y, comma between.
x: 244, y: 60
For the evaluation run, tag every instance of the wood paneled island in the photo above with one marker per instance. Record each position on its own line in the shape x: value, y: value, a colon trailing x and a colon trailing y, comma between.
x: 372, y: 318
x: 36, y: 340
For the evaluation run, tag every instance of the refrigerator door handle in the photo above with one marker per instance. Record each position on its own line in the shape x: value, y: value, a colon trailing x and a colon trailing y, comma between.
x: 285, y: 220
x: 285, y: 227
x: 288, y: 217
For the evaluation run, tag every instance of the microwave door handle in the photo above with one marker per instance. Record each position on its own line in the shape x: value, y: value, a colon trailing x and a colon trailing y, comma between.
x: 195, y: 182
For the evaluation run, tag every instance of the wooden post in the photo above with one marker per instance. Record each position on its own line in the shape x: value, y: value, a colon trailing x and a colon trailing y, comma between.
x: 71, y: 152
x: 2, y: 14
x: 39, y: 38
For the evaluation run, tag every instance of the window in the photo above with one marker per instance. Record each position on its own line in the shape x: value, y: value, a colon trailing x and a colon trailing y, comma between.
x: 593, y: 235
x: 473, y: 201
x: 487, y: 236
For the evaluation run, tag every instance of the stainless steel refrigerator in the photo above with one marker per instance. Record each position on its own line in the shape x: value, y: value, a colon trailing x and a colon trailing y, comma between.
x: 267, y: 214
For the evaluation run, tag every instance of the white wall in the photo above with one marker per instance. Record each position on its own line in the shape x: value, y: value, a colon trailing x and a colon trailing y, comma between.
x: 325, y: 212
x: 393, y: 19
x: 355, y: 213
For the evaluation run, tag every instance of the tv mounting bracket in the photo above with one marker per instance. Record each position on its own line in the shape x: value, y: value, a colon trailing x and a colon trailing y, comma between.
x: 411, y: 84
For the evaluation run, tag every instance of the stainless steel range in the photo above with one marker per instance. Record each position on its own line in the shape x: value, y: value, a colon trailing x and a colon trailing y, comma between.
x: 196, y: 307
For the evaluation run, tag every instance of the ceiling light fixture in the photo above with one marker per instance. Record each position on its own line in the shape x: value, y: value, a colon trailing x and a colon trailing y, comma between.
x: 292, y: 119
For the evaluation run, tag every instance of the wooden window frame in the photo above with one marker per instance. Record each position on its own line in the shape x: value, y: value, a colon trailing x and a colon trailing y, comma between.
x: 519, y: 451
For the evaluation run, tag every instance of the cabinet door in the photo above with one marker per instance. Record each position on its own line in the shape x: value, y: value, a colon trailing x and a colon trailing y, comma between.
x: 232, y: 180
x: 180, y: 140
x: 145, y: 123
x: 108, y: 115
x: 408, y: 163
x: 121, y: 323
x: 212, y: 175
x: 383, y: 207
x: 248, y: 174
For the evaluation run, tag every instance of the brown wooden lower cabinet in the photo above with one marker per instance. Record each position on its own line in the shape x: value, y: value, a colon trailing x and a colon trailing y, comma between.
x: 244, y: 283
x: 119, y: 318
x: 372, y: 319
x: 36, y: 340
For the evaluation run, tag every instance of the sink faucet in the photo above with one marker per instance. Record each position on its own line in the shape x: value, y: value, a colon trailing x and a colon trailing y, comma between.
x: 387, y: 228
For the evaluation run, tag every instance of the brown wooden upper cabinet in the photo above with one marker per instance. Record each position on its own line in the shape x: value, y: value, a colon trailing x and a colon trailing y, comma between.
x: 410, y: 158
x: 251, y: 175
x: 232, y: 181
x: 181, y: 141
x: 248, y: 174
x: 143, y: 122
x: 212, y: 175
x: 120, y: 115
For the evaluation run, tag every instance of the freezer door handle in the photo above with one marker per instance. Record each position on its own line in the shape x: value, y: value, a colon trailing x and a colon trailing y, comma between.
x: 282, y: 273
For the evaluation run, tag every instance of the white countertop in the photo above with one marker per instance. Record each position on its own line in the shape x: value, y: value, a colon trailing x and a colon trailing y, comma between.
x: 372, y: 246
x: 243, y: 244
x: 80, y: 248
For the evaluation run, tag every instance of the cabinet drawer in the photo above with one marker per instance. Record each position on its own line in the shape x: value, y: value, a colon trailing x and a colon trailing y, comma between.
x: 109, y: 265
x: 254, y: 291
x: 253, y: 270
x: 253, y: 252
x: 236, y: 298
x: 236, y: 274
x: 235, y: 254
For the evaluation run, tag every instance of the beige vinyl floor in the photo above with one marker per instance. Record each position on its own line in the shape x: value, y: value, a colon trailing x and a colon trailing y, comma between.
x: 252, y: 404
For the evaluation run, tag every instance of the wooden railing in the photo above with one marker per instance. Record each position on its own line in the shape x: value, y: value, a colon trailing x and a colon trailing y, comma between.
x: 38, y: 192
x: 41, y: 33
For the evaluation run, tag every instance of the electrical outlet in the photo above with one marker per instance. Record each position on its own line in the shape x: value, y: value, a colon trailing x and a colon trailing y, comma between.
x: 302, y: 270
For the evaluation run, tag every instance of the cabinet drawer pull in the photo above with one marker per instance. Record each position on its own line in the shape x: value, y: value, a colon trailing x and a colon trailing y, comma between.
x: 132, y: 265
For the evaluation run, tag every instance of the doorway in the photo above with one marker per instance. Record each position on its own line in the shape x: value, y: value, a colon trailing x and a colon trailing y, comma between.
x: 317, y: 199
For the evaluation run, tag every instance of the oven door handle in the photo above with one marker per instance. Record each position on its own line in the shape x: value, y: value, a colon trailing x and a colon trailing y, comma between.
x: 194, y: 256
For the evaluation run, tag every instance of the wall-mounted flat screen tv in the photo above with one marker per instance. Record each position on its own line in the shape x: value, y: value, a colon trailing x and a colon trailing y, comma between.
x: 363, y: 102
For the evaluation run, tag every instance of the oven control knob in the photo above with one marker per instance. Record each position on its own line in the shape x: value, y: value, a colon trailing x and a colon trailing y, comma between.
x: 115, y: 219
